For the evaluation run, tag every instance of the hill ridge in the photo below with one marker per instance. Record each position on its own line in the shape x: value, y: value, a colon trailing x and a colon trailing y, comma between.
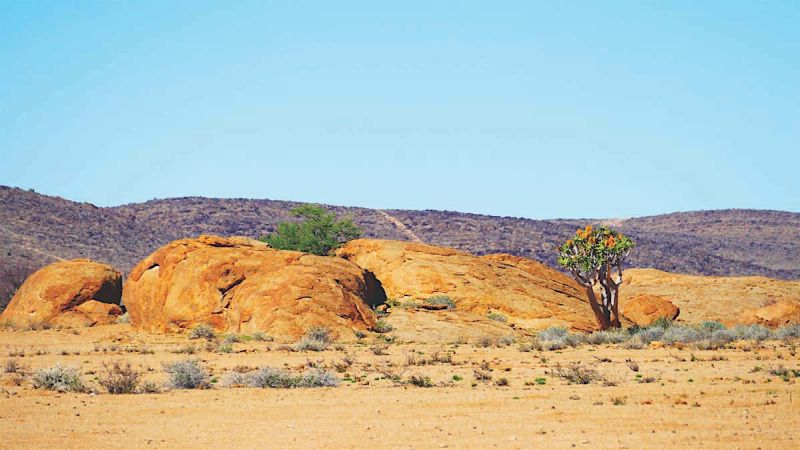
x: 716, y: 242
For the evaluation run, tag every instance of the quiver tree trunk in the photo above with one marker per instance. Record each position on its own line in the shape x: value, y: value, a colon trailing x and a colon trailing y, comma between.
x: 595, y: 256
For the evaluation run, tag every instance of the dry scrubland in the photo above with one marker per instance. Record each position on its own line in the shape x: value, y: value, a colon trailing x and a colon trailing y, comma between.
x: 740, y: 392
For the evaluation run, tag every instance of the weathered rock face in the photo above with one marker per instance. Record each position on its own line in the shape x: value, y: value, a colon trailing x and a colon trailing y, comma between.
x: 645, y: 309
x: 776, y: 314
x: 529, y: 294
x: 730, y: 300
x: 243, y: 285
x: 75, y: 293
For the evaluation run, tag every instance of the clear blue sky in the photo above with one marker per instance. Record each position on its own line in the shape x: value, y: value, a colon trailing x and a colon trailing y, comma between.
x: 534, y: 109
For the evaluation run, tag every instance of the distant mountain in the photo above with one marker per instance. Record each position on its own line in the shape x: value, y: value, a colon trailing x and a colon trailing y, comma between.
x: 36, y: 229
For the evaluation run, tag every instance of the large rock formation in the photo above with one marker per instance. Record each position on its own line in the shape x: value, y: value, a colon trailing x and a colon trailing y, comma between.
x: 644, y: 309
x: 243, y: 285
x: 775, y: 314
x: 75, y: 293
x: 529, y: 294
x: 730, y: 300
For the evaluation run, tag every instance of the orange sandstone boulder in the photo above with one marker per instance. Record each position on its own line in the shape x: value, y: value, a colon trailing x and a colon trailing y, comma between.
x: 730, y: 300
x: 529, y: 294
x: 75, y: 293
x: 645, y: 309
x: 243, y: 285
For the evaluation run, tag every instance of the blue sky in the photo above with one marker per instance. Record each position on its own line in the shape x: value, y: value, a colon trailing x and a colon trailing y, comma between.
x: 532, y: 109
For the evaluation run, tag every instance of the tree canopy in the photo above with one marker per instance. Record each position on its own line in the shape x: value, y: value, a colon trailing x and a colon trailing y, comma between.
x: 319, y: 232
x: 595, y: 255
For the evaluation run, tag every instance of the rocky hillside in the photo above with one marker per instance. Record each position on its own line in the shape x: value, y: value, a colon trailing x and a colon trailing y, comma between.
x: 36, y: 229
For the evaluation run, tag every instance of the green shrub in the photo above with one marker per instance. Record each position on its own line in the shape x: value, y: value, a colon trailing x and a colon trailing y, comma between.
x: 319, y: 233
x: 497, y: 316
x: 382, y: 326
x: 442, y: 300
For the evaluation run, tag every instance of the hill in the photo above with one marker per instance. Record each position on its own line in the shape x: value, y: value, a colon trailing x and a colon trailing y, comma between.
x: 36, y: 229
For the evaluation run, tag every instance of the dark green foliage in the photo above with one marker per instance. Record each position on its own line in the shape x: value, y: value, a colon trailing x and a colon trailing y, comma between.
x: 319, y: 233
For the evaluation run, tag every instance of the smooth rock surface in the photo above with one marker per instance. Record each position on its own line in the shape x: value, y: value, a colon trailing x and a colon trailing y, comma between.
x: 74, y: 293
x: 242, y: 285
x: 531, y: 295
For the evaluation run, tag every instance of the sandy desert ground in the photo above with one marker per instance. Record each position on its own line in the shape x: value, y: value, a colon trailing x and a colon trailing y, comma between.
x: 678, y: 397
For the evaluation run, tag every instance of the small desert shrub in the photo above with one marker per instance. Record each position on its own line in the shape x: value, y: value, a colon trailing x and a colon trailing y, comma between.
x: 420, y: 381
x: 233, y: 338
x: 784, y: 373
x: 318, y: 378
x: 575, y: 373
x: 651, y: 333
x: 58, y: 378
x: 614, y: 336
x: 202, y: 331
x: 505, y: 341
x: 262, y: 337
x: 497, y: 317
x: 225, y: 347
x: 119, y: 378
x: 187, y: 374
x: 379, y: 350
x: 344, y: 364
x: 186, y: 350
x: 752, y: 332
x: 501, y: 382
x: 307, y: 344
x: 382, y: 326
x: 13, y: 366
x: 709, y: 326
x: 481, y: 374
x: 788, y: 332
x: 442, y: 300
x: 360, y: 334
x: 485, y: 341
x: 268, y: 377
x: 552, y: 334
x: 148, y: 387
x: 316, y: 339
x: 661, y: 322
x: 635, y: 343
x: 680, y: 334
x: 557, y: 338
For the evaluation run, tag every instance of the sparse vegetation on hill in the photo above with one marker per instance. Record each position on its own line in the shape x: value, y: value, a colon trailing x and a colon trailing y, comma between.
x: 37, y: 228
x: 319, y: 232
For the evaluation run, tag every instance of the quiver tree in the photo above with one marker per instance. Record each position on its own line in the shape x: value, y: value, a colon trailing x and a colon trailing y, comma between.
x: 595, y: 256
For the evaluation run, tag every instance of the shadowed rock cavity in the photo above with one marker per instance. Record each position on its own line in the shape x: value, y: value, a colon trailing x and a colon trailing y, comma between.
x: 376, y: 296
